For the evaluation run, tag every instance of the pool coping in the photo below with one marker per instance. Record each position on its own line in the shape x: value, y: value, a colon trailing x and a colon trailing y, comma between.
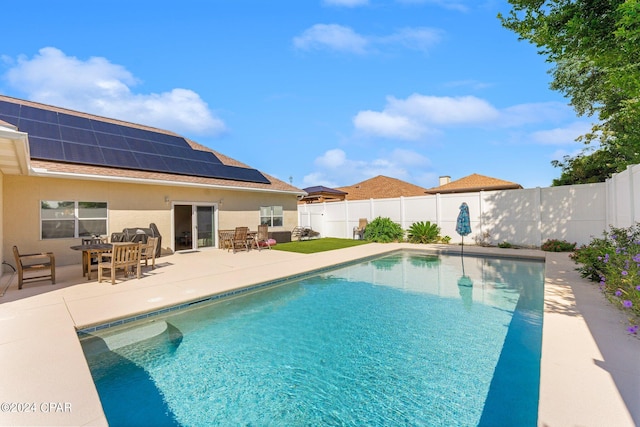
x: 586, y: 375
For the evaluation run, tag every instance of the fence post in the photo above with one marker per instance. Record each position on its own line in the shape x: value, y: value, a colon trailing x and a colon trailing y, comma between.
x: 631, y: 196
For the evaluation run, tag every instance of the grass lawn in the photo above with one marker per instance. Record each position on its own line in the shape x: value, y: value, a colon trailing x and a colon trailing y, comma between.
x: 318, y: 245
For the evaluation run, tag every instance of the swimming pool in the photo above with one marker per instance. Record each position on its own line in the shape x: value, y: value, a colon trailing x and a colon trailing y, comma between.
x: 405, y: 339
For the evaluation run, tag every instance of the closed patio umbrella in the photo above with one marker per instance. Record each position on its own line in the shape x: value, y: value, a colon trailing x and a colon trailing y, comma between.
x: 463, y: 226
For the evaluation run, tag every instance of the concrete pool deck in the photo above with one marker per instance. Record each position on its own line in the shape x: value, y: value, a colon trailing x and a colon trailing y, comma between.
x: 590, y: 369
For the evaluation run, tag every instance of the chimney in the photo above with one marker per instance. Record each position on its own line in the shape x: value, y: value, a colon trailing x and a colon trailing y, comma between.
x: 445, y: 180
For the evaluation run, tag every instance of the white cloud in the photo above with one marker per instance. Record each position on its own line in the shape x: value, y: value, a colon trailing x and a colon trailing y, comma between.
x: 412, y: 118
x: 447, y: 4
x: 388, y: 125
x: 443, y: 110
x: 521, y: 114
x: 421, y: 38
x: 344, y: 39
x: 346, y: 3
x: 99, y: 87
x: 331, y: 159
x: 562, y: 136
x: 335, y: 169
x: 332, y: 37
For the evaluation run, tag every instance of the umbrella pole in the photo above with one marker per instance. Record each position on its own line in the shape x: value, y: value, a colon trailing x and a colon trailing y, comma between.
x: 462, y: 251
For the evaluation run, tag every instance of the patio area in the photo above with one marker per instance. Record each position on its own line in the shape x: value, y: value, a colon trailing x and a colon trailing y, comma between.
x: 590, y: 375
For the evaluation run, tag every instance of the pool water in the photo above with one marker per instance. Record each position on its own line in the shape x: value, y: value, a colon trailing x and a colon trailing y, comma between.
x: 406, y: 339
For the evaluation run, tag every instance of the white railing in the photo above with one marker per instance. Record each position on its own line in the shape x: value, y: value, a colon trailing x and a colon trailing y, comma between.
x: 528, y: 217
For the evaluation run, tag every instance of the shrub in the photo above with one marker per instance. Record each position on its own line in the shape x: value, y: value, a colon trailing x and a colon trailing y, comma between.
x: 505, y: 245
x: 383, y: 230
x: 591, y: 257
x: 614, y: 261
x: 555, y: 245
x: 445, y: 239
x: 423, y: 232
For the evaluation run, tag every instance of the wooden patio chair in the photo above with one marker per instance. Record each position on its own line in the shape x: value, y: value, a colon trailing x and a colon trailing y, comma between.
x: 149, y: 252
x: 95, y: 259
x: 44, y: 261
x: 240, y: 239
x: 125, y: 256
x: 262, y: 238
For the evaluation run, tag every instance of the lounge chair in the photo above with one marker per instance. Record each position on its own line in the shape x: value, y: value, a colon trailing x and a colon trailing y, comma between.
x: 124, y: 256
x: 303, y: 233
x: 240, y: 239
x: 35, y: 262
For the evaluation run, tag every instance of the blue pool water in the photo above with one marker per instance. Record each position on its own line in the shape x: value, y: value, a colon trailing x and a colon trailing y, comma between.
x: 406, y: 339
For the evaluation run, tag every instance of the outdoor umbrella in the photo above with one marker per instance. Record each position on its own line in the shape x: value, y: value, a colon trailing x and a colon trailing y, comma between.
x: 463, y: 227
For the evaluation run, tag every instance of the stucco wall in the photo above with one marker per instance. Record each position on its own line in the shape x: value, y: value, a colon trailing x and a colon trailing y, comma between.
x: 129, y: 205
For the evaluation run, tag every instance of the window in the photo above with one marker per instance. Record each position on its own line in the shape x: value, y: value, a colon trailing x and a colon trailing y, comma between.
x: 69, y: 219
x: 273, y: 216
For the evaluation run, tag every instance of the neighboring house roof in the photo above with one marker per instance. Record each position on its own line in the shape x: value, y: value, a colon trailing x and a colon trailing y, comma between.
x: 382, y: 187
x: 474, y: 183
x: 320, y: 193
x: 68, y: 143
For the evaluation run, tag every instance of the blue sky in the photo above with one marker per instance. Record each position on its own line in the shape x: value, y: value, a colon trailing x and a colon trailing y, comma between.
x: 315, y: 92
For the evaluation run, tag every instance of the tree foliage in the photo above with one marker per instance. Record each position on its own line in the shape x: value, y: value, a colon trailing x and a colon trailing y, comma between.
x: 595, y: 48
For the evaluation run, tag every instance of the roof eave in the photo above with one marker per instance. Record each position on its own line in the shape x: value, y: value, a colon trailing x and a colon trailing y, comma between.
x: 42, y: 172
x: 14, y: 152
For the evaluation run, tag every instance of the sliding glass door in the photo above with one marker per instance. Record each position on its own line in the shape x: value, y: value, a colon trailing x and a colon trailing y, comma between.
x: 193, y: 226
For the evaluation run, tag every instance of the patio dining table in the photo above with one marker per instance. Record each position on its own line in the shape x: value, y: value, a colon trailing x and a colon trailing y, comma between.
x: 90, y: 250
x: 225, y: 240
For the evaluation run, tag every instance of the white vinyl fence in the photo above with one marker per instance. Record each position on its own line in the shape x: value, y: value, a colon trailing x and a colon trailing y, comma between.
x: 528, y: 217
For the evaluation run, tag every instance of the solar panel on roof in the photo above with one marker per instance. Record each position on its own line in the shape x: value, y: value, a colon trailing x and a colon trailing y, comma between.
x: 45, y: 149
x: 181, y: 166
x: 105, y: 127
x: 81, y: 153
x: 41, y: 129
x: 119, y: 158
x: 76, y: 139
x: 109, y: 140
x: 74, y: 121
x: 150, y: 162
x: 141, y: 146
x: 38, y: 114
x: 80, y: 136
x: 9, y: 109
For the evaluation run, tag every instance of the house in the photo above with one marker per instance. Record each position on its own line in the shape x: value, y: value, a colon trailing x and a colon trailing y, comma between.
x: 471, y: 184
x: 381, y: 187
x: 67, y: 174
x: 319, y: 194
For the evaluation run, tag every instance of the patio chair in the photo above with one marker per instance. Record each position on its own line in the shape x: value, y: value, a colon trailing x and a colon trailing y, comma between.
x: 149, y: 252
x: 35, y: 262
x: 240, y: 239
x: 92, y: 241
x: 359, y: 230
x: 125, y: 256
x: 262, y: 238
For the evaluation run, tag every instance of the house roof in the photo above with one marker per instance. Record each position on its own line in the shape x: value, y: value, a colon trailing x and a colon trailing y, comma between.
x: 474, y: 183
x: 321, y: 193
x: 201, y: 166
x: 382, y: 187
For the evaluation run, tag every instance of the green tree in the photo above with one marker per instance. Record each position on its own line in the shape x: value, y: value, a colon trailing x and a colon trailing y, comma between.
x: 595, y: 48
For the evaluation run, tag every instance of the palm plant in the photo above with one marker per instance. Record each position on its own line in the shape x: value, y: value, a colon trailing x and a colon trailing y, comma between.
x: 423, y: 232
